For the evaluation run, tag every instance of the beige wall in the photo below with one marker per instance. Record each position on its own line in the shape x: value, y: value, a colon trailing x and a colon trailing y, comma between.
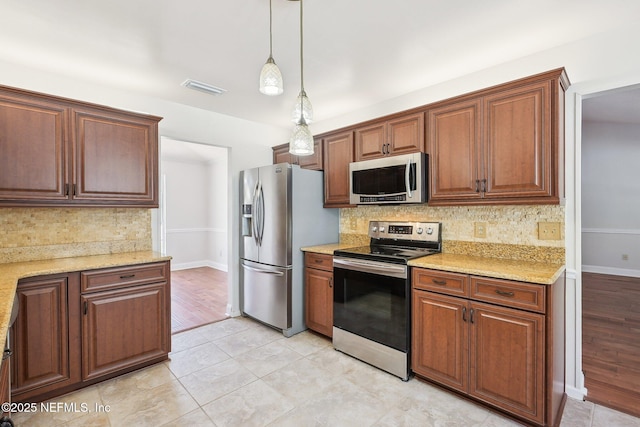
x: 512, y: 231
x: 39, y: 233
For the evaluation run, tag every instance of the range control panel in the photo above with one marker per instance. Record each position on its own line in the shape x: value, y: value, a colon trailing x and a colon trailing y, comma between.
x: 421, y: 231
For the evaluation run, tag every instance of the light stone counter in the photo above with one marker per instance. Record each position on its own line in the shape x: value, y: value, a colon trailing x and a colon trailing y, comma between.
x: 523, y: 271
x: 10, y: 273
x: 327, y: 249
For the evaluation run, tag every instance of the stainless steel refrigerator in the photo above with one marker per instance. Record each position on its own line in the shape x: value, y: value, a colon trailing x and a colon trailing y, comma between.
x: 282, y: 211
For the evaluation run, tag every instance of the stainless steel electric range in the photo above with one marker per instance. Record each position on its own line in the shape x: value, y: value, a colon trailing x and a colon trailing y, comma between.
x: 372, y: 293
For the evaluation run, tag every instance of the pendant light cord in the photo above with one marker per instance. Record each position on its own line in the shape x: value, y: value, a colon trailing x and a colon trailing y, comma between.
x: 301, y: 66
x: 270, y: 30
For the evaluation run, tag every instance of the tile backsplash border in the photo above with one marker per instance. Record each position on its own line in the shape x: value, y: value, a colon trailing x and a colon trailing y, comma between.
x: 511, y: 231
x: 30, y: 234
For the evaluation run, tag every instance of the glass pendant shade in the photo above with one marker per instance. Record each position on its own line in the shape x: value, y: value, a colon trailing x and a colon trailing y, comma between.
x: 302, y: 108
x: 301, y: 143
x: 271, y: 78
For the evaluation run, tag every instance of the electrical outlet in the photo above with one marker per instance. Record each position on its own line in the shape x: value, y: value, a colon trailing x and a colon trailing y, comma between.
x: 625, y: 257
x: 549, y: 230
x: 480, y: 230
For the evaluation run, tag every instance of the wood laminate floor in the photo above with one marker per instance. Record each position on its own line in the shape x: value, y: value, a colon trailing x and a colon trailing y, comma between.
x: 611, y: 340
x: 198, y: 297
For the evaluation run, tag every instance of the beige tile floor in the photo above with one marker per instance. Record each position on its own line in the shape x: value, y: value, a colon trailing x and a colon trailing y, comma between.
x: 240, y: 373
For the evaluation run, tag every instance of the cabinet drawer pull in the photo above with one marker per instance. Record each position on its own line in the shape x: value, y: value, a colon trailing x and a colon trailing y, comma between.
x: 504, y: 293
x: 439, y: 282
x: 484, y: 185
x: 464, y: 314
x: 319, y: 261
x: 7, y: 354
x: 331, y: 282
x: 85, y: 307
x: 471, y: 317
x: 477, y: 185
x: 127, y: 276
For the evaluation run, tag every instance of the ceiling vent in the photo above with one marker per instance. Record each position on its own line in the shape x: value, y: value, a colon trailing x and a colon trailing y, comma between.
x: 203, y: 87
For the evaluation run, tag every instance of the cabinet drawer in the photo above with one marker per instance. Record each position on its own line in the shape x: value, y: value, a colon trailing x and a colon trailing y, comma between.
x: 112, y: 278
x: 440, y: 281
x: 507, y: 293
x: 319, y: 261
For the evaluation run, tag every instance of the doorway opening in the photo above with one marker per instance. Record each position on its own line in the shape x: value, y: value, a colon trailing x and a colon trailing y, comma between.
x: 610, y: 241
x: 193, y: 230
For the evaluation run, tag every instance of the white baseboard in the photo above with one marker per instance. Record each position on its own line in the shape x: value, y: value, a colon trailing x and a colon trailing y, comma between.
x: 610, y: 270
x: 576, y: 393
x: 231, y: 312
x: 197, y: 264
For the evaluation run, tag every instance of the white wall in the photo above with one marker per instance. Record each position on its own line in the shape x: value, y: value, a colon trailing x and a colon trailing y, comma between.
x: 196, y: 218
x: 611, y: 198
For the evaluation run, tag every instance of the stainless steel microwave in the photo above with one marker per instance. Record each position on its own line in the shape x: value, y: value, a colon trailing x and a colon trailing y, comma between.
x: 389, y: 180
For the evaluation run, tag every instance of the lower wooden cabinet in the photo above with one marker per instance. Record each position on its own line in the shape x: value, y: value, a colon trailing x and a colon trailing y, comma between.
x: 509, y: 358
x: 5, y: 387
x: 318, y: 280
x: 78, y: 328
x: 123, y: 328
x: 45, y: 336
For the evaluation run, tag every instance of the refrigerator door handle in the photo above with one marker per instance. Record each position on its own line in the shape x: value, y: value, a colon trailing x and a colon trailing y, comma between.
x: 258, y: 217
x: 259, y: 270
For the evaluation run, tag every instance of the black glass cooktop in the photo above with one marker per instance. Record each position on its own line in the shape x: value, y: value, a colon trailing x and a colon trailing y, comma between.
x: 395, y: 254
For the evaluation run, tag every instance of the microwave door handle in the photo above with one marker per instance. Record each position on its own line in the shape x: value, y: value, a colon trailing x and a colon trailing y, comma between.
x: 407, y: 178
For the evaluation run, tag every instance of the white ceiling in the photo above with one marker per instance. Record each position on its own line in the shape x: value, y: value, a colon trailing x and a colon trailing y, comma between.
x: 357, y: 52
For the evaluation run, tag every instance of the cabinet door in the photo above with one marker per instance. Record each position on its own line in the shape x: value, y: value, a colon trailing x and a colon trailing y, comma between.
x: 34, y: 150
x: 319, y: 300
x: 5, y: 389
x: 315, y: 160
x: 371, y: 142
x: 116, y: 158
x: 518, y: 142
x: 453, y: 143
x: 281, y: 155
x: 406, y: 134
x: 124, y: 328
x: 338, y: 153
x: 507, y: 359
x: 440, y: 339
x: 45, y: 336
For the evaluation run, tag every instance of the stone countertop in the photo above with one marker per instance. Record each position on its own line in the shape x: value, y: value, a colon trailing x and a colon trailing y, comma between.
x: 326, y: 249
x: 522, y: 271
x: 10, y: 273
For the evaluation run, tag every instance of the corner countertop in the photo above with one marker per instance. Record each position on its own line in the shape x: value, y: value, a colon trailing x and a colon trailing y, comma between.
x: 522, y: 271
x: 10, y: 273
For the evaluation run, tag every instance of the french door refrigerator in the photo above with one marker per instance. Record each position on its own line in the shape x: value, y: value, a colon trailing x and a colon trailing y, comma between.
x: 282, y: 211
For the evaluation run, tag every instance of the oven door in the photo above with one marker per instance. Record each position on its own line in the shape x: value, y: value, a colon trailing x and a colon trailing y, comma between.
x: 371, y: 299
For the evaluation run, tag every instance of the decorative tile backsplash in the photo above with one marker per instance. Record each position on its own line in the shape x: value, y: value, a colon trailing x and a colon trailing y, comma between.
x: 511, y: 231
x: 41, y: 233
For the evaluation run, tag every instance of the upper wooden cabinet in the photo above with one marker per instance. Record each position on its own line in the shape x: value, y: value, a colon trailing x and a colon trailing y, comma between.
x: 59, y: 152
x: 314, y: 161
x: 499, y: 146
x: 338, y: 153
x: 401, y: 135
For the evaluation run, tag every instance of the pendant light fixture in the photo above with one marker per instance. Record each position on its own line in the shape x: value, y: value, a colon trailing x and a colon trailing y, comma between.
x: 270, y: 76
x: 301, y: 143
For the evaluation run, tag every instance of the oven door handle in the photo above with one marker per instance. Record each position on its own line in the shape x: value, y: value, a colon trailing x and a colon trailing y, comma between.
x: 383, y: 269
